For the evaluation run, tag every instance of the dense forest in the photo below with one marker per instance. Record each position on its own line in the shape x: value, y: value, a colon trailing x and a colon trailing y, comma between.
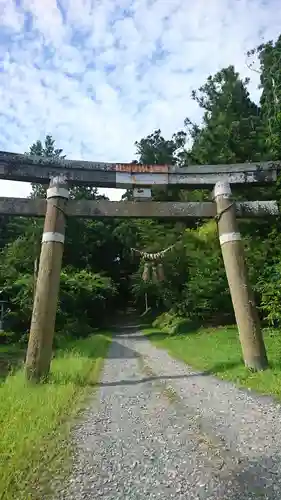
x: 101, y: 275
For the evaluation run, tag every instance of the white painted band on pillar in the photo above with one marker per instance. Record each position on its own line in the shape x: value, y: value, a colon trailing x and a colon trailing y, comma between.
x: 228, y: 237
x: 222, y: 188
x: 52, y: 237
x: 57, y: 192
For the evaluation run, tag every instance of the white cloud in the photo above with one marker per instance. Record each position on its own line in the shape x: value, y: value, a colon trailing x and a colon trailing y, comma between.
x: 100, y: 75
x: 9, y: 17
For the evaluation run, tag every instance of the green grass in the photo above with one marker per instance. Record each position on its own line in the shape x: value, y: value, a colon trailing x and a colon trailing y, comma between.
x: 218, y: 352
x: 35, y: 419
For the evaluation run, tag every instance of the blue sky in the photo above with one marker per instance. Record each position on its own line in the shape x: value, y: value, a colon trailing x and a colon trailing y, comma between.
x: 100, y: 74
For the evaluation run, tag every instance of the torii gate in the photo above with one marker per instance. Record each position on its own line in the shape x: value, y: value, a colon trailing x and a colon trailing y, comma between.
x: 61, y: 174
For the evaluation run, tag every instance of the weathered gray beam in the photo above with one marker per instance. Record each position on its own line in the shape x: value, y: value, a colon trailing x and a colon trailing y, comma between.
x: 154, y: 210
x: 38, y: 169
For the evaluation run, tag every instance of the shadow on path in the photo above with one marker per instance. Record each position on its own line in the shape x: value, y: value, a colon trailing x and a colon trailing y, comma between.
x: 253, y: 480
x: 147, y: 379
x: 134, y: 332
x: 120, y: 351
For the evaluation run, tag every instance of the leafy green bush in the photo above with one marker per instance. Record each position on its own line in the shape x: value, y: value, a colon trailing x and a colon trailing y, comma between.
x: 173, y: 324
x: 85, y: 300
x: 269, y: 287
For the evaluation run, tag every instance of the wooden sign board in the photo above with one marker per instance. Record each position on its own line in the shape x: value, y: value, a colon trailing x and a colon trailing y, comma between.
x: 141, y: 169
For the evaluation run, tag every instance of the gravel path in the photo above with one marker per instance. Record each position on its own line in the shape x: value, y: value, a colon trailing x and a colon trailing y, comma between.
x: 156, y: 429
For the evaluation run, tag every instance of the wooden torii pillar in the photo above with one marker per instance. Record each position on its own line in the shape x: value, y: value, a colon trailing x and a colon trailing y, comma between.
x: 40, y: 344
x: 245, y: 310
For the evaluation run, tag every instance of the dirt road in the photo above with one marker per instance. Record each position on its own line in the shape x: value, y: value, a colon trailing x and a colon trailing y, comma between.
x: 156, y: 429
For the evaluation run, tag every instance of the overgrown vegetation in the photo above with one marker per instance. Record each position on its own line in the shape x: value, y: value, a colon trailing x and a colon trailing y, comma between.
x: 35, y: 419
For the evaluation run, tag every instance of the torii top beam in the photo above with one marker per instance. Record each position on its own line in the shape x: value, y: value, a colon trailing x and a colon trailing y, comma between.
x: 38, y: 169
